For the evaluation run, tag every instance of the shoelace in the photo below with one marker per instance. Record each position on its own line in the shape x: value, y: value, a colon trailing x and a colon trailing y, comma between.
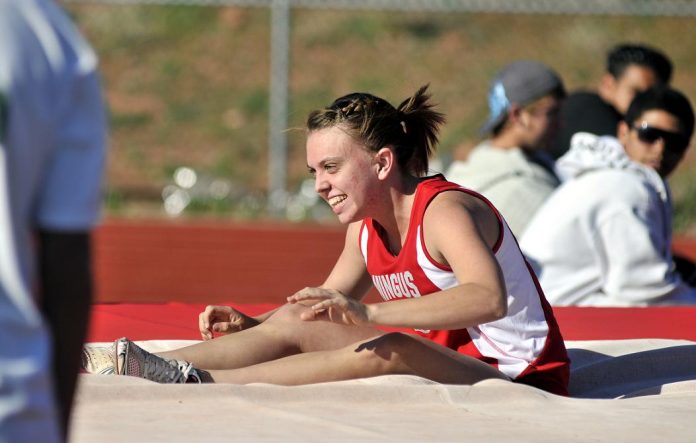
x: 189, y: 373
x: 153, y: 367
x: 161, y: 370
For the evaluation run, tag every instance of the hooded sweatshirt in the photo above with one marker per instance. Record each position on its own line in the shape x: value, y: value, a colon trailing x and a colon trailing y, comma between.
x: 604, y: 237
x: 515, y: 181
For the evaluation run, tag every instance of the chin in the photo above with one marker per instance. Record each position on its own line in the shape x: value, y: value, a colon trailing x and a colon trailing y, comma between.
x: 345, y: 220
x: 347, y: 217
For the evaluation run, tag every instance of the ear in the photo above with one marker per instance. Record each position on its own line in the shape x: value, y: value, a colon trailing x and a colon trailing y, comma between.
x: 517, y: 115
x: 607, y: 86
x: 622, y: 131
x: 385, y: 161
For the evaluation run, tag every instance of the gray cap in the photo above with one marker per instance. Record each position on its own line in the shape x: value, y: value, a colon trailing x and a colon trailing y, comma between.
x: 520, y: 82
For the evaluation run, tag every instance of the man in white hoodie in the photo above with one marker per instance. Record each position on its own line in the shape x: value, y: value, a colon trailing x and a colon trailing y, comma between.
x: 603, y: 238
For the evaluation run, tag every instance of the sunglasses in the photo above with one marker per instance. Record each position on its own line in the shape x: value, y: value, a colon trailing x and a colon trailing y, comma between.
x: 674, y: 141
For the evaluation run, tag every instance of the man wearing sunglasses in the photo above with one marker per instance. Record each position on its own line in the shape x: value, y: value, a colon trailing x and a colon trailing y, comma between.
x: 630, y: 68
x: 603, y: 238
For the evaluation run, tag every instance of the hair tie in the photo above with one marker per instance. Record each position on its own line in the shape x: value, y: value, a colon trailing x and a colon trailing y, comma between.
x: 403, y: 126
x: 353, y: 106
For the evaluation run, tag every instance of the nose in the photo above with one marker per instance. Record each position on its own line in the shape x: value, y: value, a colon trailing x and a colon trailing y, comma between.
x: 659, y: 146
x: 321, y: 185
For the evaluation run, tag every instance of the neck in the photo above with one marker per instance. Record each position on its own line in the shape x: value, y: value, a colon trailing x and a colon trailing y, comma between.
x: 396, y: 215
x: 606, y: 93
x: 505, y: 140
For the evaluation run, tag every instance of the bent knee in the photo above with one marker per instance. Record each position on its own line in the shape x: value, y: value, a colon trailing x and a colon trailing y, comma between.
x: 386, y: 353
x: 288, y: 313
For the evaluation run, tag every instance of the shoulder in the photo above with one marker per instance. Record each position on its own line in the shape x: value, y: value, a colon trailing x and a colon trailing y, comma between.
x: 515, y: 166
x: 583, y: 96
x: 455, y: 199
x: 619, y: 182
x: 461, y: 211
x: 354, y: 229
x: 451, y: 205
x: 481, y: 154
x: 585, y: 101
x: 487, y: 166
x: 614, y: 190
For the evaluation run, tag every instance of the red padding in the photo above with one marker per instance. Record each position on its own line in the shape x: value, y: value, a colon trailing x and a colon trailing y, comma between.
x: 175, y: 321
x: 674, y: 322
x: 180, y: 321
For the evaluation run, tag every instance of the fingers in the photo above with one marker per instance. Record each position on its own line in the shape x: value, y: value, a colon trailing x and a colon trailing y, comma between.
x: 208, y: 319
x: 313, y: 314
x: 325, y: 304
x: 235, y: 324
x: 222, y: 327
x: 324, y: 298
x: 204, y: 324
x: 309, y: 294
x: 237, y: 319
x: 329, y: 304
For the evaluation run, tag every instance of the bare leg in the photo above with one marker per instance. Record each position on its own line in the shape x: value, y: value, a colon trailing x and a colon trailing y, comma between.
x: 281, y: 335
x: 392, y: 353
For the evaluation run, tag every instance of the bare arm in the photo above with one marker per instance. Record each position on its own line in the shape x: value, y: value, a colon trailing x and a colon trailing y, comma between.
x: 460, y: 232
x: 347, y: 282
x: 349, y: 274
x: 348, y: 277
x: 226, y: 320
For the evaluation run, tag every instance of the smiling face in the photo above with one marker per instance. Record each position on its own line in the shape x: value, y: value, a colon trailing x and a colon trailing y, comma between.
x: 658, y: 154
x: 345, y: 173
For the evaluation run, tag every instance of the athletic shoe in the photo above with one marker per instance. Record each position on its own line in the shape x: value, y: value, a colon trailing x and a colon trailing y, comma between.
x: 98, y: 359
x: 135, y: 361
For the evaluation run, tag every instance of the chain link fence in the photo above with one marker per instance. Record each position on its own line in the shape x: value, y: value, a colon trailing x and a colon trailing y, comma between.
x: 207, y: 98
x: 684, y: 8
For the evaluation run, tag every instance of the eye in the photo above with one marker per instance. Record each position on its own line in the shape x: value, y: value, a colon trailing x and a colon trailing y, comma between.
x: 312, y: 172
x: 331, y: 168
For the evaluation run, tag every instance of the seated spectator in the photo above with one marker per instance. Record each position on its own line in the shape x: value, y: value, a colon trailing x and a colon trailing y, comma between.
x: 630, y: 69
x: 603, y: 238
x: 510, y: 168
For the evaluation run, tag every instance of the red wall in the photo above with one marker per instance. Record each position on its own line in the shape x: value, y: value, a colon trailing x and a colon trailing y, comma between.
x: 208, y: 262
x: 215, y: 262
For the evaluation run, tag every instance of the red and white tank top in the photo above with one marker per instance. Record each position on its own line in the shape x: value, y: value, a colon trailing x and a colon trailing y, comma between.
x: 526, y: 345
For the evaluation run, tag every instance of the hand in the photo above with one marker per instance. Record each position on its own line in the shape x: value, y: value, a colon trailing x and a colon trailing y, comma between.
x: 332, y: 305
x: 223, y: 320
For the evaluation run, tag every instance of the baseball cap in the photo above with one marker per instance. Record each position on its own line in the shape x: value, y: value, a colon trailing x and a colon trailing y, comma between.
x: 520, y: 82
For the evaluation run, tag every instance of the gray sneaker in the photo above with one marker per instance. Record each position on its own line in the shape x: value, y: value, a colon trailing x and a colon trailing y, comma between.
x: 135, y: 361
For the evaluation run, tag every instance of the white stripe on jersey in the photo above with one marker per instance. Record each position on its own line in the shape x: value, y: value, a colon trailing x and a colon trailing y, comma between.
x: 363, y: 242
x: 517, y: 339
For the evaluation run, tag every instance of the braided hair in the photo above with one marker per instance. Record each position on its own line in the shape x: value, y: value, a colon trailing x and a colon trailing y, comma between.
x: 411, y: 129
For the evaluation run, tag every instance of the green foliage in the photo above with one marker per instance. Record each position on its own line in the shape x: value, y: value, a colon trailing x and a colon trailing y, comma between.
x: 209, y: 206
x: 121, y: 121
x: 255, y: 102
x: 183, y: 112
x: 114, y: 201
x: 188, y: 85
x: 422, y: 27
x: 685, y: 203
